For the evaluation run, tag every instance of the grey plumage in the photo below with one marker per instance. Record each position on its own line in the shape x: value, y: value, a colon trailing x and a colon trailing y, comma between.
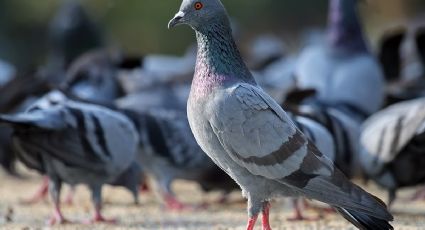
x: 74, y: 143
x: 250, y: 137
x: 393, y: 145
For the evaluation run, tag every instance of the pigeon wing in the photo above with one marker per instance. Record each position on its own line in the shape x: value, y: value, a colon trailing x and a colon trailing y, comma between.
x: 387, y: 132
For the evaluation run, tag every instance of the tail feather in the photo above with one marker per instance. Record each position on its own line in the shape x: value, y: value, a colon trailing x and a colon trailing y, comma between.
x: 364, y: 221
x: 13, y: 120
x: 45, y: 120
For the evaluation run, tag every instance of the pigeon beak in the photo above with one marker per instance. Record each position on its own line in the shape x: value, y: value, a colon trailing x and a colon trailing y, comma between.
x: 177, y: 20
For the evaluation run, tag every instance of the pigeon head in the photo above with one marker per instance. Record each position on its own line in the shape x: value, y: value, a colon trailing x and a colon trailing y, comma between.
x: 218, y: 60
x: 199, y: 14
x: 344, y: 28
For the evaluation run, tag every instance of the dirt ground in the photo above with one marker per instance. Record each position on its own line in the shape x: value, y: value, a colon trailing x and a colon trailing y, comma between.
x: 150, y: 214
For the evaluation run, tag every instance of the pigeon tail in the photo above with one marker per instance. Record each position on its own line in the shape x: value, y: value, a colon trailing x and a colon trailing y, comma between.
x: 364, y: 221
x: 13, y: 120
x: 32, y: 120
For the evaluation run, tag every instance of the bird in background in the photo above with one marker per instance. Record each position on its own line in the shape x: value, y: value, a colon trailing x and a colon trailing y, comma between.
x: 347, y: 80
x: 168, y: 151
x: 72, y: 32
x: 402, y: 56
x: 90, y: 78
x: 93, y: 77
x: 344, y: 72
x: 74, y: 143
x: 393, y: 143
x: 249, y: 136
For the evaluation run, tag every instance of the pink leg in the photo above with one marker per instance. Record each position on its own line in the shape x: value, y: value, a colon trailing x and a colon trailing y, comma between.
x: 265, y: 218
x: 251, y: 222
x: 41, y: 193
x: 298, y: 215
x: 57, y: 217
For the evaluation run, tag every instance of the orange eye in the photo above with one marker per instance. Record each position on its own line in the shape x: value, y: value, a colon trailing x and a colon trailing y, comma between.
x: 198, y: 5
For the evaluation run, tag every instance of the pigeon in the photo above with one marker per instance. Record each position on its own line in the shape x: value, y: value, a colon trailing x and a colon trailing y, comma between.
x: 343, y: 70
x: 249, y: 136
x: 93, y: 77
x: 402, y: 56
x: 72, y: 32
x: 392, y: 143
x: 90, y: 78
x: 168, y: 151
x: 74, y: 143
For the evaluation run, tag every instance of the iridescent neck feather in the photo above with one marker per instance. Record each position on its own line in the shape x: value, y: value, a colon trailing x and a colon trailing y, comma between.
x: 219, y: 62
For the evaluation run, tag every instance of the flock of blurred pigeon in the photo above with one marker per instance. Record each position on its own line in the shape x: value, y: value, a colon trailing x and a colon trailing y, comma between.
x: 93, y: 115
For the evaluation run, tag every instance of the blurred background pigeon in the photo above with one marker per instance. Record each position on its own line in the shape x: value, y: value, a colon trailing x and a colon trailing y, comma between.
x: 393, y: 145
x: 74, y: 143
x: 342, y: 70
x: 402, y: 57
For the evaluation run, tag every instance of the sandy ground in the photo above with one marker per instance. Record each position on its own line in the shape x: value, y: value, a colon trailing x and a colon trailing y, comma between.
x: 150, y: 214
